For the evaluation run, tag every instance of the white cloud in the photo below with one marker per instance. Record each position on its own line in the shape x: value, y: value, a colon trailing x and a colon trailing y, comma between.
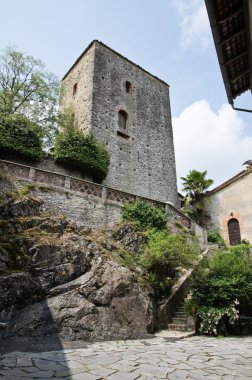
x: 194, y: 23
x: 212, y: 141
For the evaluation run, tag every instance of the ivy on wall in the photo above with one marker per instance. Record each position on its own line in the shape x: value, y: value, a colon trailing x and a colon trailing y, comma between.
x: 18, y: 135
x: 79, y: 151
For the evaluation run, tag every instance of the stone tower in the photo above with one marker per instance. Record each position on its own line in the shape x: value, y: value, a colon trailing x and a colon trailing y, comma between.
x: 129, y: 110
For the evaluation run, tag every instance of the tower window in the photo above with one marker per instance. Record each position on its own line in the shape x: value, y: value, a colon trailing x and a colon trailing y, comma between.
x: 74, y: 88
x: 122, y: 120
x: 128, y: 86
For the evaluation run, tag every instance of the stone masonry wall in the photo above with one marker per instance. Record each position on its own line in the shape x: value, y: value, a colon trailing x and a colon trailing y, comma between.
x: 142, y: 160
x: 85, y: 202
x: 142, y: 156
x: 80, y: 98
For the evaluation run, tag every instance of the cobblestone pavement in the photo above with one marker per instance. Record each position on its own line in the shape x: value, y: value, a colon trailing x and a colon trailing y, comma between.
x: 158, y: 358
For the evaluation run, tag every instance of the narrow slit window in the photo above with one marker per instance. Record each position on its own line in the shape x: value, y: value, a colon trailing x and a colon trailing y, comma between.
x: 122, y: 120
x: 128, y: 86
x: 74, y: 88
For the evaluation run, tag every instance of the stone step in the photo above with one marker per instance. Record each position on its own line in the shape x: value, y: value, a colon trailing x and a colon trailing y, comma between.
x: 179, y: 320
x: 180, y: 309
x: 179, y: 314
x: 177, y: 327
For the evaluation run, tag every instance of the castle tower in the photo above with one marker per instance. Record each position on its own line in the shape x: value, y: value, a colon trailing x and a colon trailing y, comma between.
x: 129, y: 110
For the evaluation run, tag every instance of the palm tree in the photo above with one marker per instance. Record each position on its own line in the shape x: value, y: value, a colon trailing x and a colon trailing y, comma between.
x: 195, y: 185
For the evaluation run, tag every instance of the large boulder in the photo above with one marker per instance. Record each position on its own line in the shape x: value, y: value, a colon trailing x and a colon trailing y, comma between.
x: 61, y: 279
x: 107, y: 302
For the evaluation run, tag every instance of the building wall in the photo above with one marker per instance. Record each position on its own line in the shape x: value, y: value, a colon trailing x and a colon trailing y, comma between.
x: 233, y: 201
x: 142, y: 157
x: 81, y: 101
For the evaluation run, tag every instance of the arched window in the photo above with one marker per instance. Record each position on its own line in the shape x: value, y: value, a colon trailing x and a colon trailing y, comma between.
x: 234, y: 232
x: 74, y: 88
x: 122, y: 119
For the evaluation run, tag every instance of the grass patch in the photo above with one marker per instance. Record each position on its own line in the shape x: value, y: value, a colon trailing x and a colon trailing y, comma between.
x: 27, y: 189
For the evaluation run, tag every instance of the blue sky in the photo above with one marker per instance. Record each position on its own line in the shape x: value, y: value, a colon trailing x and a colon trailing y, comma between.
x: 169, y: 38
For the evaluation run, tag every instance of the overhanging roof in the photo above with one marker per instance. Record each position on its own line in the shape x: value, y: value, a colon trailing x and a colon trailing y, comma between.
x: 230, y: 23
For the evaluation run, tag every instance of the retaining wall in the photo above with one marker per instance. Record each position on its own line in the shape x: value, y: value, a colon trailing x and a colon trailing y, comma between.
x: 83, y: 201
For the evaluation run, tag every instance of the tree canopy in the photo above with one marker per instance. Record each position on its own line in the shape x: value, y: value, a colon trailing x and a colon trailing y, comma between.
x: 27, y: 89
x: 18, y: 135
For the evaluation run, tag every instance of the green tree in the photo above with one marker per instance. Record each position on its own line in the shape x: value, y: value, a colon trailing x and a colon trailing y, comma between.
x: 195, y: 185
x: 18, y: 135
x: 27, y: 89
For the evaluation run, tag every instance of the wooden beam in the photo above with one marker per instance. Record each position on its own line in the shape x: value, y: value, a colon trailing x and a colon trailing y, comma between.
x: 243, y: 30
x: 239, y: 76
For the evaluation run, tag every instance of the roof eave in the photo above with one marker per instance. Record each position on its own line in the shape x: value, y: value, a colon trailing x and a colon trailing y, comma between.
x: 216, y: 37
x: 229, y: 182
x: 247, y: 9
x: 249, y: 36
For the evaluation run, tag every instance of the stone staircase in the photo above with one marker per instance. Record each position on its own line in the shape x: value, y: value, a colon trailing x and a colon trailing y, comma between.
x: 171, y: 313
x: 179, y: 321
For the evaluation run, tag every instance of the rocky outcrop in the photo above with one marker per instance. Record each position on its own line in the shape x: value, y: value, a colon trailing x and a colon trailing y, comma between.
x: 57, y: 278
x: 104, y: 303
x: 129, y: 237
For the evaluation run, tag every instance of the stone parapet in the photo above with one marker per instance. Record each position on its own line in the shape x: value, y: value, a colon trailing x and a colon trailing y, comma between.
x: 86, y: 188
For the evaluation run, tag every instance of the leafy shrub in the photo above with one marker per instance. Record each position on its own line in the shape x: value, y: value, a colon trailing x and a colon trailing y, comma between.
x: 162, y: 257
x: 242, y: 250
x: 20, y: 136
x: 215, y: 238
x: 189, y: 307
x: 226, y: 276
x: 76, y: 150
x: 161, y: 285
x: 220, y: 283
x: 144, y: 215
x: 213, y: 319
x: 130, y: 258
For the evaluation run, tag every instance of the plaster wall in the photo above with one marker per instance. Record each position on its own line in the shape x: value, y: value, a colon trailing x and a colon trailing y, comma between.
x: 233, y: 201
